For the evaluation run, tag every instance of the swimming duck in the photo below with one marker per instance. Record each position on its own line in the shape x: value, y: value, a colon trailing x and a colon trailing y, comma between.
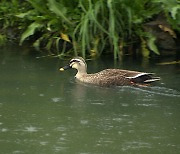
x: 109, y: 77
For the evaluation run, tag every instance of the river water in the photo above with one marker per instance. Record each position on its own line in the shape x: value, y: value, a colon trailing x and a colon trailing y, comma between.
x: 44, y: 111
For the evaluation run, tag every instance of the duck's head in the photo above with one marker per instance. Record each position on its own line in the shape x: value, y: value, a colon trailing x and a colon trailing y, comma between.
x: 76, y: 63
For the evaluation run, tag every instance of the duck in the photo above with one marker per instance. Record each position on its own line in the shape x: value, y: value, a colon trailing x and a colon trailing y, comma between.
x: 109, y: 77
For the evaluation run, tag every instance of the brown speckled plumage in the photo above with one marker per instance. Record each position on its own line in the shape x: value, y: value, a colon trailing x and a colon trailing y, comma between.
x: 109, y: 77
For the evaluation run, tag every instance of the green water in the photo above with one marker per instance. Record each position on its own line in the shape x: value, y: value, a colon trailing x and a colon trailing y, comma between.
x: 44, y: 111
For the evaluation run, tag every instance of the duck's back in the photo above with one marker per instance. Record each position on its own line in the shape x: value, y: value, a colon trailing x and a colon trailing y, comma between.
x: 107, y: 77
x: 118, y: 77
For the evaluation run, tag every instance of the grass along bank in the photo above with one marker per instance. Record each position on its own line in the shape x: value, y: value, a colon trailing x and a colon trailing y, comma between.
x: 89, y: 27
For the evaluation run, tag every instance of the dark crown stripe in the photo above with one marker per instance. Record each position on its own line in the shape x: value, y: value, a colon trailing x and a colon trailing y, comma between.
x: 75, y: 60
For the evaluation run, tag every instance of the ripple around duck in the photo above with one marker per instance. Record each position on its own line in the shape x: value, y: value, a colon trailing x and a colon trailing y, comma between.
x: 135, y: 145
x: 163, y: 91
x: 31, y: 129
x: 57, y: 99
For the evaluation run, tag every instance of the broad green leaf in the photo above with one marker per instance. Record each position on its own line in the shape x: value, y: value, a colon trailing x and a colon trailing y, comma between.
x: 37, y: 43
x: 59, y: 10
x: 38, y: 5
x: 22, y: 15
x: 151, y: 44
x: 30, y: 31
x: 174, y: 11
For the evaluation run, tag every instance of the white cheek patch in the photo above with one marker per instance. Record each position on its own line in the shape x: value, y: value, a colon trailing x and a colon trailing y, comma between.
x: 74, y: 65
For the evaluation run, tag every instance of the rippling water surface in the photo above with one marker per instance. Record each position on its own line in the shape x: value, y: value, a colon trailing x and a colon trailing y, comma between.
x: 44, y: 111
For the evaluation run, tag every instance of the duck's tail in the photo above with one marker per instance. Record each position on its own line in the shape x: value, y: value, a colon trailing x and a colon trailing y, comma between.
x: 153, y: 79
x: 144, y: 78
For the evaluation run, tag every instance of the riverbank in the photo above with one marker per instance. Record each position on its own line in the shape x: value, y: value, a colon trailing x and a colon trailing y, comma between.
x: 92, y: 28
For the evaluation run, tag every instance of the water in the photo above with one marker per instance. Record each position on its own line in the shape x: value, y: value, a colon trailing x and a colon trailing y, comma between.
x: 44, y: 111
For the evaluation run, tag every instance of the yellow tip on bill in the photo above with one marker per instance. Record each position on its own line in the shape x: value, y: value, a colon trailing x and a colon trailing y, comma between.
x: 61, y: 69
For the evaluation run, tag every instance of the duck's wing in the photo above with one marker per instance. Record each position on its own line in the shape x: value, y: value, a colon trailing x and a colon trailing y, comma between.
x: 111, y: 77
x: 142, y: 77
x: 133, y: 76
x: 112, y: 72
x: 115, y: 80
x: 120, y: 72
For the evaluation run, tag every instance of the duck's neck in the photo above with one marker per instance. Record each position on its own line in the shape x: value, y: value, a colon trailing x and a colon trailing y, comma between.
x: 81, y: 73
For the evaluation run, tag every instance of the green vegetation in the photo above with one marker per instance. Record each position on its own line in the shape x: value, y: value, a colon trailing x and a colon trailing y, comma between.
x: 86, y: 27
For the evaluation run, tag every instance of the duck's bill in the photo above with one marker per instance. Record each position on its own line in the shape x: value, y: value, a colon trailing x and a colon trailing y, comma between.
x: 65, y: 68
